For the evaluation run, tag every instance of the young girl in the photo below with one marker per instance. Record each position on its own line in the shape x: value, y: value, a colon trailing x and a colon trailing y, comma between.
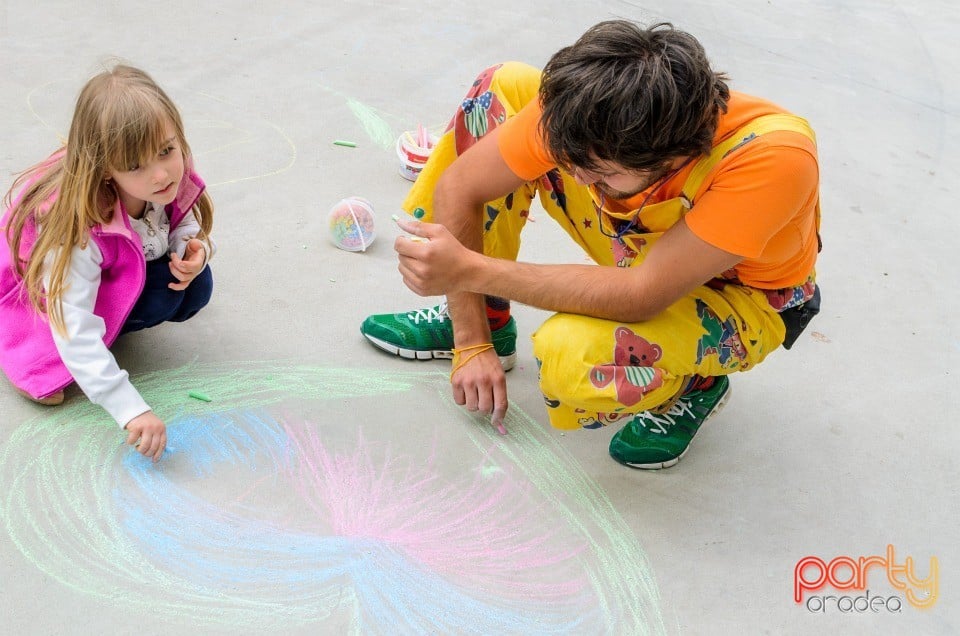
x: 108, y: 235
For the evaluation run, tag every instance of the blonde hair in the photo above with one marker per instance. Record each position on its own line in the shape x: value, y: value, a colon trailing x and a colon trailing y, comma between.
x: 119, y: 121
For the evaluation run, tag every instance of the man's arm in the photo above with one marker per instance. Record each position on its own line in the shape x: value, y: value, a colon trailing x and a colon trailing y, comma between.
x: 677, y: 264
x: 476, y: 177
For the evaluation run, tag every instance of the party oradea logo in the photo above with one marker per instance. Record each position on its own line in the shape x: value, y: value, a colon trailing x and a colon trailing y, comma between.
x: 852, y: 577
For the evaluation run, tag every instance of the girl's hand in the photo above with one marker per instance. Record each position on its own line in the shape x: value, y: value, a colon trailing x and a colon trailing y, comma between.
x: 148, y: 434
x: 186, y: 269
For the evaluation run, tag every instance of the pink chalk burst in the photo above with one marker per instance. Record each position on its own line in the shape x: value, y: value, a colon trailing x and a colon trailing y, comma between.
x: 485, y: 532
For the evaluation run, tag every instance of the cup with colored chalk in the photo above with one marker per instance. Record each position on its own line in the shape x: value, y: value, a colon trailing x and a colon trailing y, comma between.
x: 351, y: 224
x: 413, y: 150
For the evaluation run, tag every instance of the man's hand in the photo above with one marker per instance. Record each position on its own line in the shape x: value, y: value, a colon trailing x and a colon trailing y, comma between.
x: 186, y: 269
x: 148, y: 433
x: 432, y: 261
x: 480, y: 385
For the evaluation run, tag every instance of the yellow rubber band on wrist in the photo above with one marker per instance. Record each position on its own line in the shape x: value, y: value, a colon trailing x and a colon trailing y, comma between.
x: 459, y: 362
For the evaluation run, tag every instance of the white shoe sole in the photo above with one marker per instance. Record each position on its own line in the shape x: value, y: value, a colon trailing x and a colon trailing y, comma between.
x: 507, y: 361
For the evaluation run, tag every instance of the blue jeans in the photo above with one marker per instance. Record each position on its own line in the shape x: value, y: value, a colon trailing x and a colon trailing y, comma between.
x: 158, y: 303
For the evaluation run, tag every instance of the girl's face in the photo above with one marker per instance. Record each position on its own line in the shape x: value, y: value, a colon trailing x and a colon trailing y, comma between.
x: 156, y: 181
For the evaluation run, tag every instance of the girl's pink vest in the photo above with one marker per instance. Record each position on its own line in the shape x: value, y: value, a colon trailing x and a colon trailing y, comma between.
x: 28, y: 355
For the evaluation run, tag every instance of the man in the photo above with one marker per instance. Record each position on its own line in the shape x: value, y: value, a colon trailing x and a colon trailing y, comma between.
x: 700, y: 206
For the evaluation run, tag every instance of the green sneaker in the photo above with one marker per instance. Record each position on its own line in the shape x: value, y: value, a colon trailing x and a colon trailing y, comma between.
x: 658, y: 440
x: 425, y: 334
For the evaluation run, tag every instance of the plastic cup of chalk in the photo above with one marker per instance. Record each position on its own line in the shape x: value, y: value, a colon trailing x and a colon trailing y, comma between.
x: 413, y: 150
x: 351, y: 224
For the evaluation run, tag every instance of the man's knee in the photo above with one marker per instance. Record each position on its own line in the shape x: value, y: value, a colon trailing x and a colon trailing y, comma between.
x: 579, y: 356
x: 516, y: 75
x: 558, y: 333
x: 560, y: 349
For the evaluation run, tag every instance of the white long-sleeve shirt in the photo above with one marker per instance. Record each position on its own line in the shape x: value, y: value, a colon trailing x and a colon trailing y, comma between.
x: 82, y: 349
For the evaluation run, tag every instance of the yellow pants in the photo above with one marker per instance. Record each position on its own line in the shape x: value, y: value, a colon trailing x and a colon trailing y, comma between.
x: 592, y: 371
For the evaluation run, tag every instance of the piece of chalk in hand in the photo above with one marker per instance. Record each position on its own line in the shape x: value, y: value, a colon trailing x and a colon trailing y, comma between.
x: 415, y: 239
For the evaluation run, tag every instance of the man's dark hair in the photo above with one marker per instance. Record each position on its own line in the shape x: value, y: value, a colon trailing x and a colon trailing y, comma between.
x: 639, y: 97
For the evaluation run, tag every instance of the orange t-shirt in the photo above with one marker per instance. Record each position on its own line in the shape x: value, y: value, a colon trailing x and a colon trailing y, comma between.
x: 759, y: 203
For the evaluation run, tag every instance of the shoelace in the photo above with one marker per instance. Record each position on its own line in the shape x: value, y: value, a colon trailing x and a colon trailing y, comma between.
x: 664, y: 421
x: 429, y: 314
